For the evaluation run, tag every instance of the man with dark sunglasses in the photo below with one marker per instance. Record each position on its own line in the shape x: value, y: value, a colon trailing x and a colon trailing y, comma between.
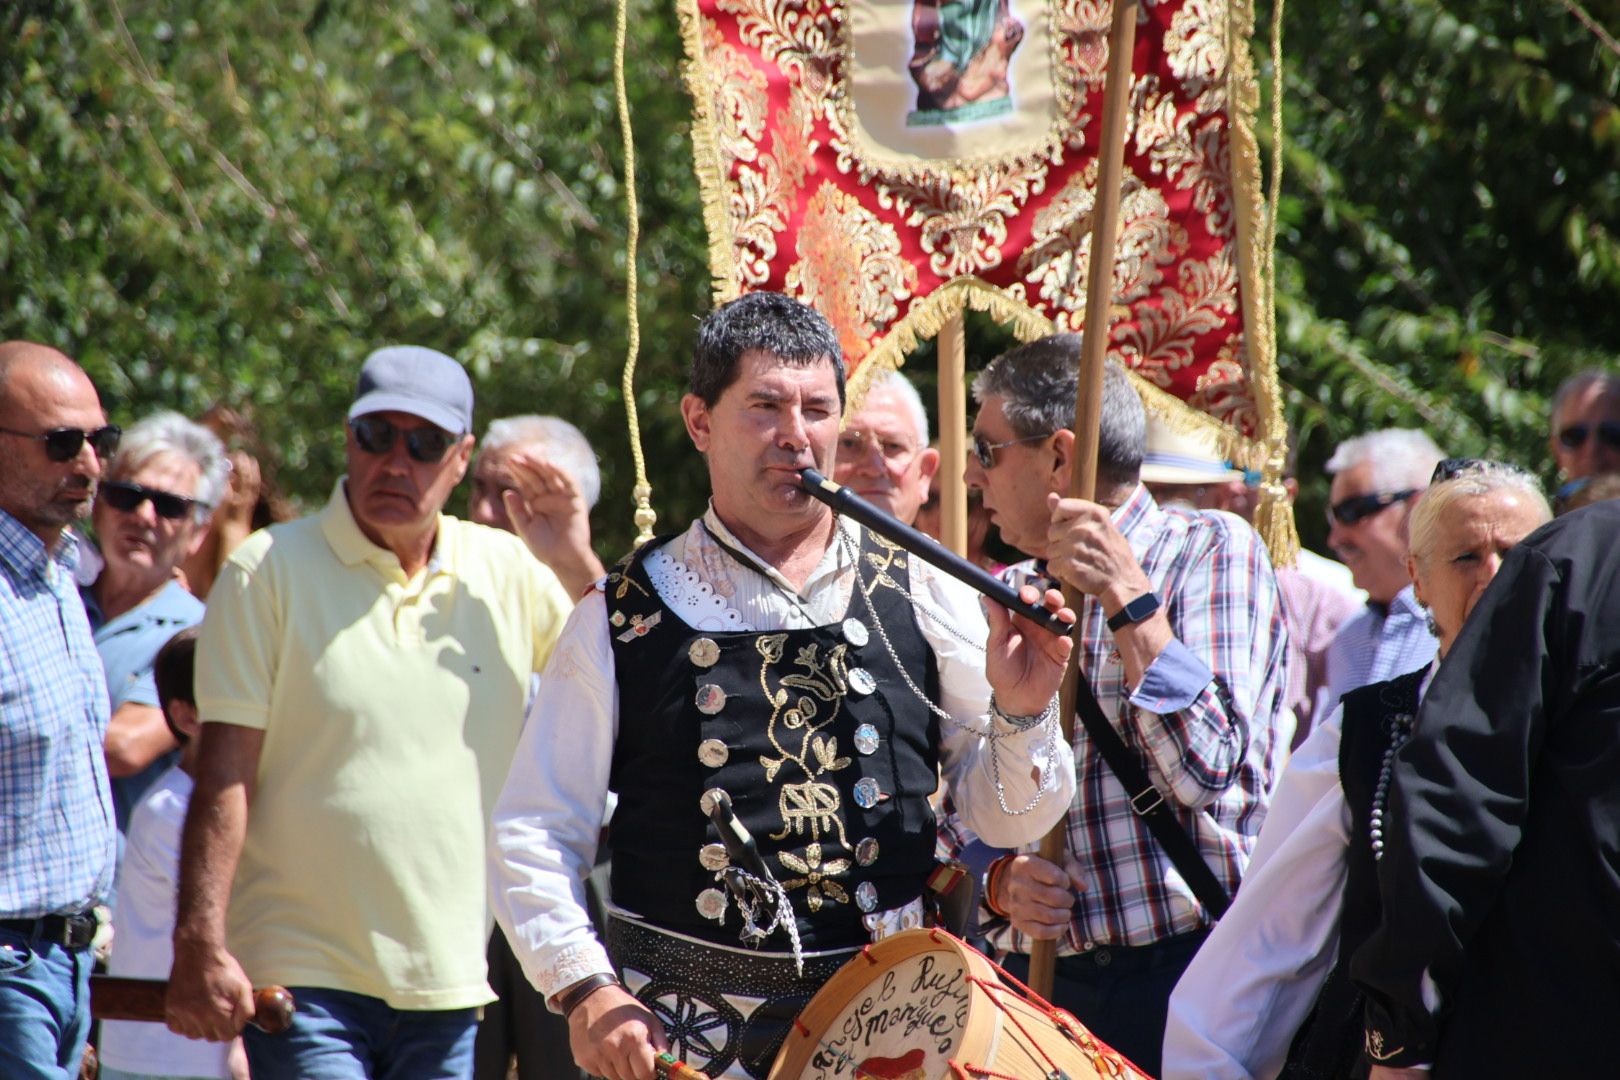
x: 151, y: 512
x: 1377, y: 478
x: 57, y: 841
x: 1585, y: 436
x: 361, y: 676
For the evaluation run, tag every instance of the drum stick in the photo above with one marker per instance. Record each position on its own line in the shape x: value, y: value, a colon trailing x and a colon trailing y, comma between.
x: 671, y: 1068
x: 116, y: 998
x: 929, y: 550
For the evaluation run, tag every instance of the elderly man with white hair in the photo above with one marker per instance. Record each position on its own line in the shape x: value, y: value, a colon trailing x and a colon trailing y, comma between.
x: 151, y: 513
x: 536, y: 476
x: 883, y: 451
x: 1376, y: 480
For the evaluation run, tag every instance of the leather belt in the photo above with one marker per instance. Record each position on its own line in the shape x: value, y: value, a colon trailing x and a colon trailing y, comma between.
x: 74, y: 931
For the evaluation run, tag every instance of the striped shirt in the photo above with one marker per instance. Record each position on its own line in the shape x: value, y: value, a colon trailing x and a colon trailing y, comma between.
x: 1376, y: 644
x: 57, y: 842
x: 1209, y: 722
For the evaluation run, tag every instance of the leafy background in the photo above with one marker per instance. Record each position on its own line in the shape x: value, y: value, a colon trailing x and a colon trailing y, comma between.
x: 235, y: 202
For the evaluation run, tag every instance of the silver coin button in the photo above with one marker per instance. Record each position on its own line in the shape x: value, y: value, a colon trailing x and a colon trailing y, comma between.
x: 714, y: 857
x: 713, y: 753
x: 866, y: 852
x: 711, y: 904
x: 861, y: 681
x: 866, y: 897
x: 855, y: 632
x: 710, y: 699
x: 710, y: 797
x: 867, y: 793
x: 866, y: 739
x: 704, y: 652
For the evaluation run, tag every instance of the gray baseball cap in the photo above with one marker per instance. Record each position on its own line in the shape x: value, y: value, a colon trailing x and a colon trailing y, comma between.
x: 419, y: 381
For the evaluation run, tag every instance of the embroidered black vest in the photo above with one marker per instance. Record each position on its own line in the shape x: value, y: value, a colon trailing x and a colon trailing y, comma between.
x: 828, y: 757
x: 1328, y: 1045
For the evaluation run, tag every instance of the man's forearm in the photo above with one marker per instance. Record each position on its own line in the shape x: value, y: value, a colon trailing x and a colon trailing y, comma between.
x: 216, y: 826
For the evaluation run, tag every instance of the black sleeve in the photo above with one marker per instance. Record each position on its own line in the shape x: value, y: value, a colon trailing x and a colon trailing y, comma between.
x: 1457, y: 802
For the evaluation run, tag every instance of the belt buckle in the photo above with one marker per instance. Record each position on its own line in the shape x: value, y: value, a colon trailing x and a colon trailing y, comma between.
x: 78, y: 930
x: 1155, y: 797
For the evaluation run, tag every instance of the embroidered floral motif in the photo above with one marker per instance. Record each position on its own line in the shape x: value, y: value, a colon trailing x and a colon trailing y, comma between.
x: 817, y: 876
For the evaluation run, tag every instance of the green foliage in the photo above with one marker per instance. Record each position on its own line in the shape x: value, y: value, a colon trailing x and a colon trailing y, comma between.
x: 237, y: 201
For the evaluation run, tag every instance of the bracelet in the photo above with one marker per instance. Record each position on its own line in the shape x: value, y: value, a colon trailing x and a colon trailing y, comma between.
x: 992, y: 879
x: 573, y: 997
x: 1024, y: 722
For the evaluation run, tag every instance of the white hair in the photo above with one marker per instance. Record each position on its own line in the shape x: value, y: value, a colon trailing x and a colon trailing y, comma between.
x: 1401, y: 458
x: 170, y: 433
x: 893, y: 379
x: 1473, y: 480
x: 563, y: 443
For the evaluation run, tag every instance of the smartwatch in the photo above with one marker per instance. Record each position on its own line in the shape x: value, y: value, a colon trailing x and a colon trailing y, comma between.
x: 1134, y: 612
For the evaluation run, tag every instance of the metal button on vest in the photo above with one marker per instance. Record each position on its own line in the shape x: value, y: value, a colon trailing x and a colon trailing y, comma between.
x: 866, y: 897
x: 714, y: 857
x: 866, y: 852
x: 710, y: 699
x: 866, y: 739
x: 711, y: 904
x: 867, y: 793
x: 855, y: 632
x: 861, y: 681
x: 704, y: 652
x: 713, y: 753
x: 707, y: 801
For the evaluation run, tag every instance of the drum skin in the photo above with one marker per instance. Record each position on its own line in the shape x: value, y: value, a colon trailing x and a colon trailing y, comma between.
x: 924, y: 1005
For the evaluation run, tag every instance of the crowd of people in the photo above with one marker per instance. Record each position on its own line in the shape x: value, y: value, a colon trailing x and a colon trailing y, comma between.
x: 1330, y: 819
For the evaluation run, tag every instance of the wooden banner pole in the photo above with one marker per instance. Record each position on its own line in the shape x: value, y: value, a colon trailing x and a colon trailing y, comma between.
x: 1093, y: 352
x: 952, y: 435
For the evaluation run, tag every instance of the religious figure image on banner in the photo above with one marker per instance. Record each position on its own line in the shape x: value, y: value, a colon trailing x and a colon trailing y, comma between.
x: 944, y: 81
x: 963, y: 53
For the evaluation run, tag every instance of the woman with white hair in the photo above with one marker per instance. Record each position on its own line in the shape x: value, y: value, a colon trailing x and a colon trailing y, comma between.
x: 151, y: 511
x: 1267, y: 995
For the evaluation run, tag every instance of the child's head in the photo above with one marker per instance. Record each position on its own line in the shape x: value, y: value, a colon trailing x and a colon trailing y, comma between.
x: 172, y: 671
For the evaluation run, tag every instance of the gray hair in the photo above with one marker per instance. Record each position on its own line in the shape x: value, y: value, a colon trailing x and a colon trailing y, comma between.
x: 1038, y: 383
x: 170, y: 433
x: 564, y: 443
x: 1579, y: 383
x: 1472, y: 481
x: 895, y: 380
x: 1401, y: 458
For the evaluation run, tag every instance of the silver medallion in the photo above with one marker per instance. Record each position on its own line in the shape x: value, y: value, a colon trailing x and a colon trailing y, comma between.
x: 710, y: 797
x: 866, y: 896
x: 704, y: 652
x: 866, y: 739
x: 713, y: 753
x: 855, y: 632
x: 714, y: 857
x: 866, y: 852
x: 711, y: 904
x: 710, y: 699
x: 867, y: 793
x: 861, y: 681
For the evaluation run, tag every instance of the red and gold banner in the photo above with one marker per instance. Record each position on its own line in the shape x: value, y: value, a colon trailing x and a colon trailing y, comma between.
x: 894, y: 161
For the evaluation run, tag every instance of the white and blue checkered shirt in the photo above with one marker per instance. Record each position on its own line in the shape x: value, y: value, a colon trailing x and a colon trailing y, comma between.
x: 57, y: 840
x: 1376, y: 644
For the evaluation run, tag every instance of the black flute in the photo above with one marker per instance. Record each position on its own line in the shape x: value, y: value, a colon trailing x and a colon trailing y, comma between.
x: 928, y: 549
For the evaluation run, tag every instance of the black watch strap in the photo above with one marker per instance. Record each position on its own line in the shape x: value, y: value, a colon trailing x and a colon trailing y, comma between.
x: 1134, y: 612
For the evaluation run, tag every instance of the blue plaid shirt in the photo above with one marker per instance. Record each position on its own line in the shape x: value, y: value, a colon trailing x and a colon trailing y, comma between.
x: 57, y: 841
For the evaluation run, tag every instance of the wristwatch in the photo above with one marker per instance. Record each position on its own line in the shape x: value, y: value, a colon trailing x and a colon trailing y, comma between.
x: 1134, y: 612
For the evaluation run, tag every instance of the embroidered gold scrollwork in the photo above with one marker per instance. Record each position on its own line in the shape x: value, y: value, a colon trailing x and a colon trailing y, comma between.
x: 810, y: 806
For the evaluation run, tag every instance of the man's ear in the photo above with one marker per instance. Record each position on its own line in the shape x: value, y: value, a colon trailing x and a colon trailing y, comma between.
x: 1062, y: 474
x: 698, y: 421
x: 927, y: 469
x: 464, y: 452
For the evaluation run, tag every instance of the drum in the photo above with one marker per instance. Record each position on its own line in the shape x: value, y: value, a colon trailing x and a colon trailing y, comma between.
x: 923, y: 1005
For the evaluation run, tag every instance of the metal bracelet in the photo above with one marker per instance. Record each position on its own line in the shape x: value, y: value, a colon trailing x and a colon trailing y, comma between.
x: 1024, y: 723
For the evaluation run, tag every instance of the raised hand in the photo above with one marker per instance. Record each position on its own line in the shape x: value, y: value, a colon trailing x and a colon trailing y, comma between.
x: 549, y: 512
x: 1022, y: 661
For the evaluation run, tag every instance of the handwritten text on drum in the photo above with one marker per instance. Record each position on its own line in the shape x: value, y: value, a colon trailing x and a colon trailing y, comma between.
x: 923, y: 999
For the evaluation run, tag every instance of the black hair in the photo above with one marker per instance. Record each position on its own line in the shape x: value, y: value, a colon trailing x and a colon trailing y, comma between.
x: 794, y: 333
x: 173, y: 671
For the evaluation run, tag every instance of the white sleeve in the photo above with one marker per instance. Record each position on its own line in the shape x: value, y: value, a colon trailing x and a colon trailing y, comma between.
x: 1311, y: 773
x: 1242, y: 999
x: 549, y: 815
x: 949, y: 611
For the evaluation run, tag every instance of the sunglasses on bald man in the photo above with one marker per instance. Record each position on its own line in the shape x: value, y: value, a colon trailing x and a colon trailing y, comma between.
x: 64, y: 443
x: 426, y: 444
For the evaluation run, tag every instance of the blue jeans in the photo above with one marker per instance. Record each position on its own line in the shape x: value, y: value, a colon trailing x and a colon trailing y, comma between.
x: 337, y: 1035
x: 44, y: 1008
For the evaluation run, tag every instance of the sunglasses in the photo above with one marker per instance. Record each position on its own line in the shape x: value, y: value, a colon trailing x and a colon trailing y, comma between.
x: 64, y: 443
x: 427, y: 444
x: 127, y: 498
x: 1574, y: 437
x: 1359, y: 507
x: 985, y: 452
x: 1452, y: 467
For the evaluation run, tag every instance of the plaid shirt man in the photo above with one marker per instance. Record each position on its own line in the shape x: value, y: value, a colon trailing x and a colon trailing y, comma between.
x: 1209, y: 721
x: 58, y: 843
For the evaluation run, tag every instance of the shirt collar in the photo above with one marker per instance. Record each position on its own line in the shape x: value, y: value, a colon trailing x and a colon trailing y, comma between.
x: 26, y: 552
x: 833, y: 560
x: 352, y: 547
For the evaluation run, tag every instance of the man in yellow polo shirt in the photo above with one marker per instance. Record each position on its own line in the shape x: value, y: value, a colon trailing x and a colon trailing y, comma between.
x: 361, y: 674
